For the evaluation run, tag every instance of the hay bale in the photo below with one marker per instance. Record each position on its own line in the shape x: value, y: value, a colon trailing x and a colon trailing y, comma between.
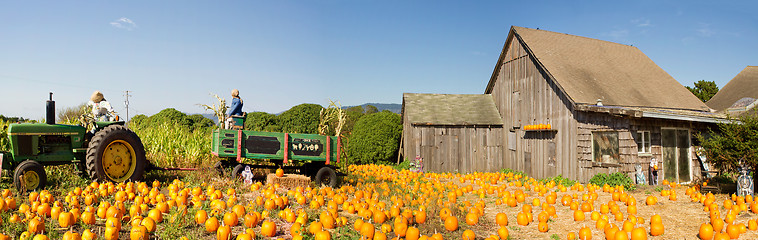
x: 289, y: 181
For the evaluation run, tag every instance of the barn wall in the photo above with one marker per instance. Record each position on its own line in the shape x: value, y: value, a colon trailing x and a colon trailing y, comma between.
x: 629, y: 156
x: 524, y: 95
x: 462, y: 149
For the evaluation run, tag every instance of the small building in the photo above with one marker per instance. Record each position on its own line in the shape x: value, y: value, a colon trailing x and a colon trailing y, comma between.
x: 570, y: 106
x: 452, y: 132
x: 739, y: 95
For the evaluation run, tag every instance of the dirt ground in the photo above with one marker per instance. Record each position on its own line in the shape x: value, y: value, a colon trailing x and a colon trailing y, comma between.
x: 681, y: 218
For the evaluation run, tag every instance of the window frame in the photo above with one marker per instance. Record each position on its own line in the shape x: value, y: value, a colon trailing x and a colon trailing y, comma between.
x: 597, y: 159
x: 646, y: 143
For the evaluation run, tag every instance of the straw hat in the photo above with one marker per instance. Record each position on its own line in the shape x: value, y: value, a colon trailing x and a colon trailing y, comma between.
x: 97, y: 96
x: 235, y: 93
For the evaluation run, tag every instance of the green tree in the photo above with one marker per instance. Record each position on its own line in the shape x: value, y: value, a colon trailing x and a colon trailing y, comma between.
x: 70, y: 115
x: 171, y: 115
x: 369, y: 109
x: 259, y: 121
x: 731, y: 142
x: 375, y: 138
x: 704, y: 90
x: 199, y: 122
x: 303, y: 118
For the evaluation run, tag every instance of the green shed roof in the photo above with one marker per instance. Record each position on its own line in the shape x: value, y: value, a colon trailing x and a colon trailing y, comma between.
x: 450, y: 109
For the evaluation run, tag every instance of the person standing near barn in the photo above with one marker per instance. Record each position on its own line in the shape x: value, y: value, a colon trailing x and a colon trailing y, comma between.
x: 235, y: 109
x: 653, y: 171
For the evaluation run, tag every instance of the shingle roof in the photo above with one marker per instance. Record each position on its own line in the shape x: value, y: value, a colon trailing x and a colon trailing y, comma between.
x: 589, y: 69
x: 744, y: 85
x: 450, y: 109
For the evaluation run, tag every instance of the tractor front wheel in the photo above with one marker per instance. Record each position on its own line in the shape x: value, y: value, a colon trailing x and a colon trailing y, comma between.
x: 116, y: 154
x: 29, y: 176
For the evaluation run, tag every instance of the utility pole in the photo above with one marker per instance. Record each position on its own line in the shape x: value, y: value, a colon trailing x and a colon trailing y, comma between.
x: 126, y: 102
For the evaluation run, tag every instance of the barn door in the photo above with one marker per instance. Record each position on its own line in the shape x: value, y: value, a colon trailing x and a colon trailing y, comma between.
x: 676, y: 155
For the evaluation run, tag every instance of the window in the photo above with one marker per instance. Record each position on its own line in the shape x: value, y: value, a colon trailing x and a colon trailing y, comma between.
x: 643, y: 141
x: 605, y: 146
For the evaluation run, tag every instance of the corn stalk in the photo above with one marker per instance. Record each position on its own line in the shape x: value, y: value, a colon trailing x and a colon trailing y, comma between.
x: 4, y: 144
x: 332, y: 118
x: 218, y: 110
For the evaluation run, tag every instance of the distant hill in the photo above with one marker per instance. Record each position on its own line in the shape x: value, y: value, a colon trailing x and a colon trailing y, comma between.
x: 392, y: 107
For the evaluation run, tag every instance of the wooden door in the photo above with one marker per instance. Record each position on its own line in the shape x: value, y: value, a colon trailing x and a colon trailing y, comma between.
x: 676, y: 155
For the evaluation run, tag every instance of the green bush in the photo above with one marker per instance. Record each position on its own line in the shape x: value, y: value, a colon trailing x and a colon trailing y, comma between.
x: 260, y: 121
x: 614, y: 179
x: 303, y: 118
x: 375, y: 138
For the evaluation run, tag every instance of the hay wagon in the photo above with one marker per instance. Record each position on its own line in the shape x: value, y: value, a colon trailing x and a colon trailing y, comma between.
x: 311, y: 155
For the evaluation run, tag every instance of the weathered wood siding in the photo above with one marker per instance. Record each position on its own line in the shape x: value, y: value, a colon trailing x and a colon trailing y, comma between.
x: 628, y: 151
x: 524, y: 95
x: 462, y: 149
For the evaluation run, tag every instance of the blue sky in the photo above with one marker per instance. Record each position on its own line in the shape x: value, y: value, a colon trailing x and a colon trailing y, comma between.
x: 283, y: 53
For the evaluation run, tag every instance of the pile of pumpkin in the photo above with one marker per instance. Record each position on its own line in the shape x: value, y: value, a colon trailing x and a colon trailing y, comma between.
x: 376, y: 202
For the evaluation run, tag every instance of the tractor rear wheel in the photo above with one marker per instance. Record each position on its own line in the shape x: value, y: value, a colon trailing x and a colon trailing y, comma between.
x: 116, y: 154
x: 29, y: 176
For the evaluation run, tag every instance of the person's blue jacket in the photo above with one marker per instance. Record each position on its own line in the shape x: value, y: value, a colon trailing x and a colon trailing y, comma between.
x: 236, y: 108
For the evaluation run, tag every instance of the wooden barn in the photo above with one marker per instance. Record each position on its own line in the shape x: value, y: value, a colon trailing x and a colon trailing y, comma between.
x: 739, y: 95
x: 609, y: 107
x: 453, y: 132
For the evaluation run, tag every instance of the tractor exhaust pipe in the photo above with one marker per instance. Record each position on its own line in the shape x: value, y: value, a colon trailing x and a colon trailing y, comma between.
x: 50, y: 110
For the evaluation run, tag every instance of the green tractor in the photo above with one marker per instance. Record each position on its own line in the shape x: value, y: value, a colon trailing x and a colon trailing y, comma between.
x: 109, y: 152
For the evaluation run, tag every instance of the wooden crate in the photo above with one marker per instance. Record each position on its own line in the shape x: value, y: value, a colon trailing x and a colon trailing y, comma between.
x: 289, y: 181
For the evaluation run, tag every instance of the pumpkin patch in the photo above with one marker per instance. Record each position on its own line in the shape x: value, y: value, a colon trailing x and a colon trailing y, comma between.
x: 379, y: 202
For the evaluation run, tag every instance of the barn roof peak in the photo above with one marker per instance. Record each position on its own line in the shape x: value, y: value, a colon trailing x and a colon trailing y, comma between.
x: 587, y: 69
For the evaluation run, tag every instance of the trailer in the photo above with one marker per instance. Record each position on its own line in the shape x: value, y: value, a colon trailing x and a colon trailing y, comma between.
x: 311, y: 155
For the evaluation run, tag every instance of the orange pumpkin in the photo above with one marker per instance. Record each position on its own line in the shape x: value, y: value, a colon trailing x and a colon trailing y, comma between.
x: 65, y: 219
x: 501, y: 219
x: 231, y: 219
x: 585, y: 233
x: 542, y: 227
x: 323, y: 235
x: 420, y: 216
x: 69, y: 235
x: 367, y: 230
x: 472, y: 219
x: 706, y: 231
x: 579, y: 215
x: 201, y: 216
x: 35, y: 226
x: 656, y: 229
x: 451, y: 223
x: 502, y: 232
x: 412, y: 233
x: 149, y: 224
x: 469, y: 235
x: 224, y: 233
x: 211, y: 225
x: 732, y: 230
x: 138, y: 233
x: 88, y: 235
x: 268, y: 229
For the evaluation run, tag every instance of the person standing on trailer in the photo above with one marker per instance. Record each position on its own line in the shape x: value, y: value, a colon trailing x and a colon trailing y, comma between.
x: 235, y: 109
